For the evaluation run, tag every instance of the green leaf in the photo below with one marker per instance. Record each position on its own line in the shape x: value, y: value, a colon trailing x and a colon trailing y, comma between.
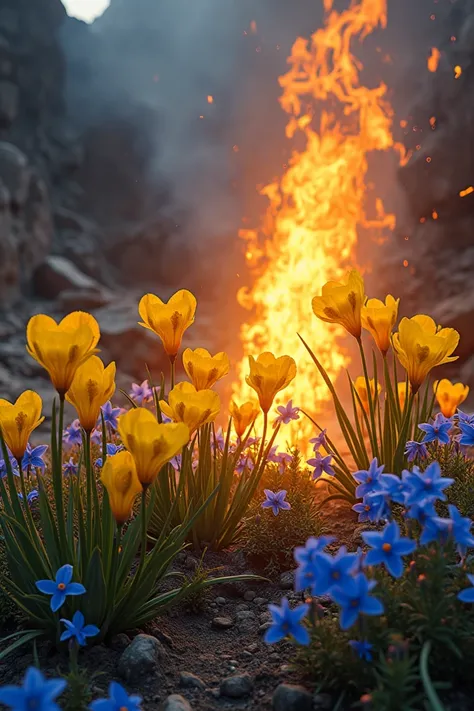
x: 433, y: 697
x: 24, y: 638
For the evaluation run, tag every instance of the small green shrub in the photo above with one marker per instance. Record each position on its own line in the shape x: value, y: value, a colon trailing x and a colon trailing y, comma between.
x: 268, y: 539
x: 460, y: 468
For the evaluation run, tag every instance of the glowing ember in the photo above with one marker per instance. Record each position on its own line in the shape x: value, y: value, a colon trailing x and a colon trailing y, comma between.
x: 433, y: 60
x: 467, y: 191
x: 457, y: 71
x: 309, y: 231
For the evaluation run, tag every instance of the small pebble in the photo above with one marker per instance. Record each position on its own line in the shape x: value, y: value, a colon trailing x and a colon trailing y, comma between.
x: 287, y: 580
x: 236, y: 687
x: 260, y: 601
x: 191, y: 681
x: 222, y: 623
x: 249, y: 595
x: 253, y: 647
x: 176, y: 702
x: 241, y: 607
x: 220, y: 600
x: 263, y: 628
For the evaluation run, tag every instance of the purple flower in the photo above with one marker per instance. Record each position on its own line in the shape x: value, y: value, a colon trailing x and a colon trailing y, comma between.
x: 373, y: 508
x: 426, y: 485
x: 256, y: 440
x: 416, y: 449
x: 368, y: 479
x: 438, y: 431
x: 36, y: 693
x: 272, y: 455
x: 60, y: 587
x: 287, y: 413
x: 13, y: 464
x: 355, y: 599
x: 245, y: 462
x: 96, y: 436
x: 33, y: 457
x: 321, y: 465
x: 287, y: 622
x: 111, y: 450
x: 275, y: 501
x: 362, y: 648
x: 388, y: 548
x: 283, y: 459
x: 111, y: 415
x: 319, y: 441
x: 73, y: 434
x: 69, y: 468
x: 466, y: 439
x: 141, y: 393
x: 78, y: 630
x: 466, y: 595
x: 176, y: 462
x: 218, y: 440
x: 118, y: 700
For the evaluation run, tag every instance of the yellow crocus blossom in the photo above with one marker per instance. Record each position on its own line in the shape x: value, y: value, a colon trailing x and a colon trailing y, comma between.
x: 379, y: 319
x: 450, y: 395
x: 19, y: 419
x: 193, y: 407
x: 92, y: 387
x: 243, y: 416
x: 168, y: 320
x: 342, y: 303
x: 119, y: 476
x: 203, y: 369
x: 269, y: 375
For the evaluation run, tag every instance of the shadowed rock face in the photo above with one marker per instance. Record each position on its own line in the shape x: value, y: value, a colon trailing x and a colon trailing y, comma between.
x: 439, y: 216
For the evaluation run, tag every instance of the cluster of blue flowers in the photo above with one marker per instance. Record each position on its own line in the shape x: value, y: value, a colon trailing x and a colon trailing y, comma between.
x: 40, y: 694
x: 342, y: 576
x: 458, y: 430
x: 322, y: 464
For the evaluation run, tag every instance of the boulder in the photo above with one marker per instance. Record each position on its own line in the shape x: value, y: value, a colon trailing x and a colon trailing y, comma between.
x: 236, y: 687
x: 140, y: 657
x: 175, y: 702
x: 58, y: 274
x: 288, y: 697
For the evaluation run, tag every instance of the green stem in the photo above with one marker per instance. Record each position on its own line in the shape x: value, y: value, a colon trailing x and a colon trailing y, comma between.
x: 264, y: 434
x: 172, y: 362
x: 60, y: 432
x: 144, y: 536
x: 89, y: 475
x: 373, y: 427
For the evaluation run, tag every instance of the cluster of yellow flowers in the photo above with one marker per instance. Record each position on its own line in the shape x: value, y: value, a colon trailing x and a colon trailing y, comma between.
x: 420, y: 345
x: 67, y: 350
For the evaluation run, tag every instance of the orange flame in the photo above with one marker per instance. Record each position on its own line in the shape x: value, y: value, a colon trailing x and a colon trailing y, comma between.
x: 433, y: 59
x: 309, y: 230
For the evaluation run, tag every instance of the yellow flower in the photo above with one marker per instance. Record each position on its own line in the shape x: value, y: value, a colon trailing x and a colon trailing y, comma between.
x: 62, y: 348
x: 92, y: 386
x: 150, y: 444
x: 17, y: 421
x: 243, y: 416
x: 342, y: 303
x: 191, y: 406
x: 450, y: 395
x: 402, y: 394
x: 420, y: 345
x: 379, y: 319
x: 361, y: 388
x: 203, y: 369
x: 169, y: 321
x: 119, y: 476
x: 268, y: 375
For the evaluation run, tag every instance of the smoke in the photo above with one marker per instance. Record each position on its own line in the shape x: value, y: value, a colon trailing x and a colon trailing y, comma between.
x: 162, y: 60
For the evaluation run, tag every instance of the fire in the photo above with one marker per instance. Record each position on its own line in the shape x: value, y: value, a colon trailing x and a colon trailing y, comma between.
x: 433, y: 59
x: 315, y: 209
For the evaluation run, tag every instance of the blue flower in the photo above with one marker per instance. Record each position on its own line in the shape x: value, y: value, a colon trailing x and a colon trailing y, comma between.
x: 373, y: 508
x: 388, y: 548
x: 466, y: 439
x: 461, y: 529
x: 33, y: 457
x: 275, y: 501
x: 73, y: 434
x: 70, y: 468
x: 416, y: 449
x: 244, y: 462
x: 305, y: 554
x: 287, y: 414
x: 283, y: 459
x: 466, y: 595
x: 436, y: 529
x: 36, y: 693
x: 287, y: 622
x: 60, y: 587
x: 426, y: 485
x: 319, y: 441
x: 111, y: 415
x: 322, y: 465
x: 118, y: 700
x: 176, y: 462
x: 111, y: 450
x: 141, y: 393
x: 32, y: 496
x: 438, y: 431
x: 96, y: 436
x: 362, y: 648
x: 464, y: 417
x: 332, y: 570
x: 355, y: 599
x: 14, y: 467
x: 78, y: 630
x: 368, y: 479
x: 421, y: 511
x: 393, y: 487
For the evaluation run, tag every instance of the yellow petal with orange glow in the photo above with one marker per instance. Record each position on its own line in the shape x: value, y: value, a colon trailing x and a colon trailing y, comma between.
x: 193, y: 407
x: 19, y: 419
x: 342, y: 303
x: 168, y: 320
x: 379, y: 319
x: 92, y: 387
x: 119, y: 476
x: 269, y: 375
x: 203, y: 369
x: 450, y: 395
x: 243, y: 416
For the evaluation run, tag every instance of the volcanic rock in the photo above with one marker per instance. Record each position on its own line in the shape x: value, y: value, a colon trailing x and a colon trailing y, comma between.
x: 140, y: 657
x: 57, y: 275
x: 236, y: 687
x: 288, y: 697
x: 191, y: 681
x: 175, y: 702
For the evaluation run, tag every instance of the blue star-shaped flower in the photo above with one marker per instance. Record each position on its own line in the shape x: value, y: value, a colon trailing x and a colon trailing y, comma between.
x: 426, y: 485
x: 373, y: 508
x: 461, y: 529
x: 362, y: 648
x: 141, y: 393
x: 287, y: 413
x: 73, y: 434
x: 368, y: 479
x: 78, y: 630
x: 464, y: 417
x: 118, y: 700
x: 466, y: 438
x: 322, y: 465
x: 31, y: 497
x: 436, y: 529
x: 111, y: 415
x: 305, y: 554
x: 393, y: 487
x: 111, y: 450
x: 355, y: 599
x: 287, y: 622
x: 416, y: 450
x: 275, y: 501
x: 319, y: 441
x: 332, y: 570
x: 36, y: 693
x: 60, y: 587
x: 422, y: 511
x: 33, y: 457
x: 438, y: 431
x: 388, y: 548
x: 70, y: 468
x: 96, y: 436
x: 14, y: 467
x: 466, y: 595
